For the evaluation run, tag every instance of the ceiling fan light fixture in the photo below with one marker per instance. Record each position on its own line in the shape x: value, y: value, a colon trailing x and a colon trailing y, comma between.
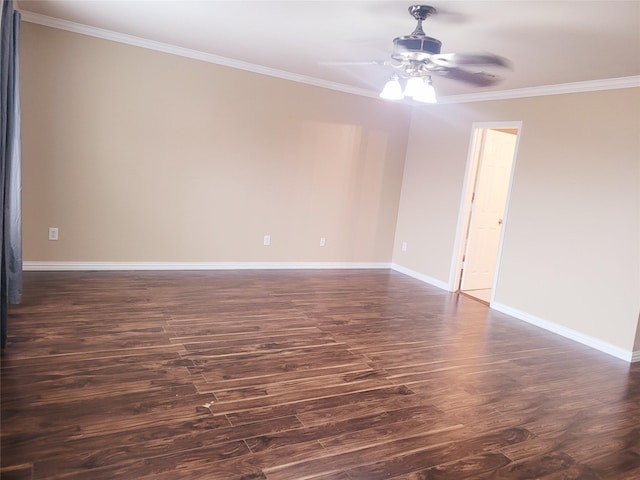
x: 416, y: 56
x: 392, y: 90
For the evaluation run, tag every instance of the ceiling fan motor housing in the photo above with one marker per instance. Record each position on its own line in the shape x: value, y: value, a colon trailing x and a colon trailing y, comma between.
x: 418, y: 48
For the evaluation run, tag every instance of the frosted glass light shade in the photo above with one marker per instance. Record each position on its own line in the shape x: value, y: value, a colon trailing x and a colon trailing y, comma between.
x: 392, y: 90
x: 414, y: 88
x: 426, y: 94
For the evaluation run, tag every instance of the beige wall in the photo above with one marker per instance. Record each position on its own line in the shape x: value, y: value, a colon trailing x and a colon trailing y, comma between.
x: 140, y: 156
x: 571, y: 251
x: 137, y: 155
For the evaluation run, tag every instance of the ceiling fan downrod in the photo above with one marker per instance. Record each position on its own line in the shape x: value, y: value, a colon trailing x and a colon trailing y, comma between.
x: 420, y: 13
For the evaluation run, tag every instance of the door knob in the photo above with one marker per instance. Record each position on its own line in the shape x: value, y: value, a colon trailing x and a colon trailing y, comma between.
x: 499, y: 221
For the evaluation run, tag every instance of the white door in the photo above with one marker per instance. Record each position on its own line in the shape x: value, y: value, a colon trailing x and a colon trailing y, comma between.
x: 487, y: 210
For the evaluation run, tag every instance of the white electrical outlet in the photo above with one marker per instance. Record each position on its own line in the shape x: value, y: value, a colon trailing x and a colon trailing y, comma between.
x: 53, y: 233
x: 323, y: 241
x: 267, y: 240
x: 404, y: 246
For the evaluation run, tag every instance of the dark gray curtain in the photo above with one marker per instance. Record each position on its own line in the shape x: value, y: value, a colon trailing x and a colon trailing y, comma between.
x: 10, y: 170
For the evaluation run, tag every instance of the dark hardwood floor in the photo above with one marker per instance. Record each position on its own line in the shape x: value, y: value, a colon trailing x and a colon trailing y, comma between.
x: 325, y: 375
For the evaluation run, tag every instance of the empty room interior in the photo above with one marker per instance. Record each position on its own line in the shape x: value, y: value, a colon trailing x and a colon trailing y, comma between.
x: 239, y: 262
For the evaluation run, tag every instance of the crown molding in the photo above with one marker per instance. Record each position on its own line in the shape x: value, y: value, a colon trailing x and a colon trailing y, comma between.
x: 558, y: 89
x: 187, y: 52
x: 575, y: 87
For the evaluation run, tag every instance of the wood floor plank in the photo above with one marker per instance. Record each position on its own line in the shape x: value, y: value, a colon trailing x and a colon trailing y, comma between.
x: 17, y: 472
x: 552, y: 465
x: 293, y: 375
x: 402, y: 456
x: 478, y: 466
x: 101, y: 467
x: 273, y: 363
x: 375, y: 402
x: 623, y: 464
x: 357, y: 398
x: 257, y: 379
x: 369, y: 429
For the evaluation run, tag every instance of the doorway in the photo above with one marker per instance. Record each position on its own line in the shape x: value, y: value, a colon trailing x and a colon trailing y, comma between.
x: 485, y: 198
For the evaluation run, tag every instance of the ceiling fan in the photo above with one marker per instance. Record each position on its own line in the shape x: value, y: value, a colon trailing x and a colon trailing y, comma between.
x: 416, y: 57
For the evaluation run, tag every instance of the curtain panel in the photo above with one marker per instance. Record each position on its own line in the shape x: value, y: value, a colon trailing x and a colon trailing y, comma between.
x: 10, y: 168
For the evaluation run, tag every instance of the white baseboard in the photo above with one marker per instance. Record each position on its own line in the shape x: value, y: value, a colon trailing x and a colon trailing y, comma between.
x: 569, y: 333
x: 574, y: 335
x: 105, y: 266
x: 421, y: 276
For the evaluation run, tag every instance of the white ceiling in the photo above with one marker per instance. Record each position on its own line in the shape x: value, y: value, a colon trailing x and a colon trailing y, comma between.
x: 548, y: 42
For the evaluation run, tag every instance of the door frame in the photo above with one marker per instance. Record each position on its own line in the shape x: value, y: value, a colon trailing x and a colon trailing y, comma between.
x: 464, y: 213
